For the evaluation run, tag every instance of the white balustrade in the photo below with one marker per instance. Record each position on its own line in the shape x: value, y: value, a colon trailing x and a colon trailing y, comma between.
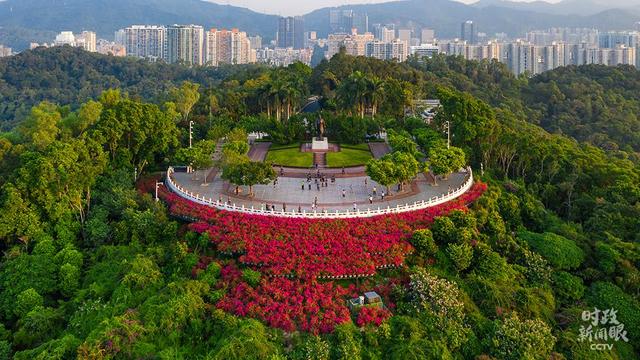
x: 418, y: 205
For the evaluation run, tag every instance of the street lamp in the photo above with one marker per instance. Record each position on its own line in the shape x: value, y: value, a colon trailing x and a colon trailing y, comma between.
x: 135, y: 173
x: 190, y: 133
x: 448, y: 134
x: 157, y: 184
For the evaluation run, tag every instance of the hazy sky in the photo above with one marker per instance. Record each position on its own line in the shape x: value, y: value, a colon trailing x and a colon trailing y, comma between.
x: 299, y: 7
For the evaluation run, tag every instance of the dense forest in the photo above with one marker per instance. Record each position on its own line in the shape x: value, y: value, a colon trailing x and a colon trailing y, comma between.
x: 93, y: 268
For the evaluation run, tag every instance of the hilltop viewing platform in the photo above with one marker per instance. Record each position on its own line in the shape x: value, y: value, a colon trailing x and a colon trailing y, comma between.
x: 353, y: 195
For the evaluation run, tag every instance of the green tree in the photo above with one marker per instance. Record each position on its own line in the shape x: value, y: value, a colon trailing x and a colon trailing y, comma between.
x: 249, y: 173
x: 27, y: 301
x: 406, y: 167
x: 41, y: 128
x: 185, y: 97
x: 423, y: 241
x: 199, y: 156
x: 461, y: 255
x: 383, y: 171
x: 443, y: 161
x: 515, y: 338
x: 560, y: 252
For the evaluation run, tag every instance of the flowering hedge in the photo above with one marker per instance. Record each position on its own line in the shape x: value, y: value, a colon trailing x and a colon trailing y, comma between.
x: 372, y: 315
x: 296, y: 253
x: 313, y: 248
x: 309, y: 306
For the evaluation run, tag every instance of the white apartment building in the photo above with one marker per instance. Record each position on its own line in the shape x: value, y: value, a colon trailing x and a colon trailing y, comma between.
x: 185, y: 44
x: 395, y: 49
x: 145, y: 41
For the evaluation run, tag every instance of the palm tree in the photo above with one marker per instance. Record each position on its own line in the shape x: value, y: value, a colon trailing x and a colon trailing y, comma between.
x: 352, y: 92
x: 375, y: 93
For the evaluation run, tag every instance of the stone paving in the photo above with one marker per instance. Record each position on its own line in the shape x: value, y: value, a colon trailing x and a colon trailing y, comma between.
x: 340, y: 195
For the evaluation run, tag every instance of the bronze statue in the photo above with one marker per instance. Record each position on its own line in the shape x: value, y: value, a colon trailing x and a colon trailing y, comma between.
x: 321, y: 127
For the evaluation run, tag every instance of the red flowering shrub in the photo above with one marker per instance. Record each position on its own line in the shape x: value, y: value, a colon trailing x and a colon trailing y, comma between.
x: 372, y: 315
x: 313, y: 248
x: 294, y: 254
x: 309, y: 306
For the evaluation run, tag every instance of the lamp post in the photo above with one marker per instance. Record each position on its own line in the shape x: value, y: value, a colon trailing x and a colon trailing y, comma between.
x: 135, y: 173
x: 190, y: 133
x: 157, y: 184
x: 448, y: 134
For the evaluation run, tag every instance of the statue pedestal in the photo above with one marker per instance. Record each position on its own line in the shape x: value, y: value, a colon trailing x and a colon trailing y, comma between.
x: 320, y: 144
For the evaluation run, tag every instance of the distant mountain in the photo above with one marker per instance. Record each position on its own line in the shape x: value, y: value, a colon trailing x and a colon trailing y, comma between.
x: 22, y: 21
x: 565, y: 7
x: 497, y: 16
x: 106, y: 16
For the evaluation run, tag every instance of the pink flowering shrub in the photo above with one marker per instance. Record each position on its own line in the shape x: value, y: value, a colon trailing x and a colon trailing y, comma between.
x: 295, y: 254
x: 290, y: 305
x: 372, y: 316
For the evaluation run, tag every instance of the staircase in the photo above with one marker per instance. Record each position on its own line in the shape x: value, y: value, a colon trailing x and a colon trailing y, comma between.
x: 320, y: 159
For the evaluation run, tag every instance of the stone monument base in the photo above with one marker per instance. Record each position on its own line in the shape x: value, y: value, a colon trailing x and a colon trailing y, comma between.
x: 320, y: 144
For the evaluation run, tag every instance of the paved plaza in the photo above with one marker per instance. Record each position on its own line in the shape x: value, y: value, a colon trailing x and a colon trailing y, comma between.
x: 339, y: 195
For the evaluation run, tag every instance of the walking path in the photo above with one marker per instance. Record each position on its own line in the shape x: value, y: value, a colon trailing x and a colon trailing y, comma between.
x: 379, y: 149
x: 258, y: 151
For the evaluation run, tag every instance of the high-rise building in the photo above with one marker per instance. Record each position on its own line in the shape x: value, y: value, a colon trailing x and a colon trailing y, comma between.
x: 428, y: 36
x: 255, y: 42
x: 394, y: 50
x: 469, y: 32
x: 145, y: 41
x: 343, y: 21
x: 310, y: 39
x: 404, y: 35
x: 360, y: 22
x: 65, y: 38
x: 354, y: 44
x: 613, y: 39
x: 185, y: 44
x: 291, y: 32
x: 228, y: 47
x: 87, y: 41
x: 119, y: 36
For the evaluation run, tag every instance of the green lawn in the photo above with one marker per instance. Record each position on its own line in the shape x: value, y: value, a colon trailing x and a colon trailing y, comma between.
x: 289, y: 155
x: 349, y: 156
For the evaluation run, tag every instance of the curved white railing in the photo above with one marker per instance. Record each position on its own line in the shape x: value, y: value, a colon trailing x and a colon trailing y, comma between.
x: 337, y: 214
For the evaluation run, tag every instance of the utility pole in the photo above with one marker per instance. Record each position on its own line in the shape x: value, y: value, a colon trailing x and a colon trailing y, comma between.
x: 448, y: 134
x: 190, y: 133
x: 157, y: 184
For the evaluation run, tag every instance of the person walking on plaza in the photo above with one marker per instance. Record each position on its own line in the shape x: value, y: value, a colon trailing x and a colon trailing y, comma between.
x: 343, y: 172
x: 370, y: 199
x: 375, y: 191
x: 355, y: 206
x: 315, y: 201
x: 302, y: 185
x: 299, y: 209
x: 309, y: 184
x: 383, y: 195
x: 284, y: 207
x: 344, y: 194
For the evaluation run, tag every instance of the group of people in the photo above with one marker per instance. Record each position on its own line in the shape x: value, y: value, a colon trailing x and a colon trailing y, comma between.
x: 320, y: 180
